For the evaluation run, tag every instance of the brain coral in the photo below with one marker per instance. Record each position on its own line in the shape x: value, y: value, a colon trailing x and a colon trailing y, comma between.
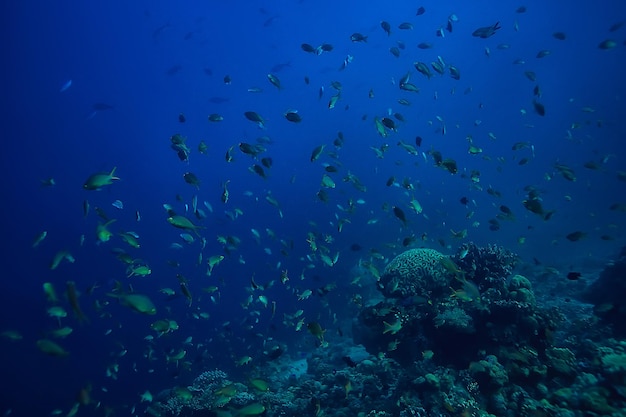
x: 416, y: 272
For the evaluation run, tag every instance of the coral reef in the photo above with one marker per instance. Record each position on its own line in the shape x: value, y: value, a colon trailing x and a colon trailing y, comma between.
x: 465, y: 337
x: 199, y: 396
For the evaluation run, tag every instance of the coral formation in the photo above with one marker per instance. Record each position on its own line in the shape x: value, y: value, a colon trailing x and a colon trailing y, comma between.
x: 487, y: 264
x: 415, y: 272
x: 483, y: 347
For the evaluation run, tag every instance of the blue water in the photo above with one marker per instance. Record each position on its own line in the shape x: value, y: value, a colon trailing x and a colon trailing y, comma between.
x: 153, y: 60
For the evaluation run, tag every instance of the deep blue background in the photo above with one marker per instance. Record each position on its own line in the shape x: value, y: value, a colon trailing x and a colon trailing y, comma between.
x: 151, y: 61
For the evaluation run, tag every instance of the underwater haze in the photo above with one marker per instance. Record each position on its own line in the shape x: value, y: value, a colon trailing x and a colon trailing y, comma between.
x: 313, y: 208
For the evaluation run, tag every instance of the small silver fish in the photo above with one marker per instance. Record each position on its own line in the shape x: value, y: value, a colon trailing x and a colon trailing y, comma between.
x: 65, y: 86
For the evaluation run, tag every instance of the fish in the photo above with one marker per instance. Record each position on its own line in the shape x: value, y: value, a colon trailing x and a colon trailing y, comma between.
x: 574, y: 276
x: 565, y: 171
x: 138, y: 270
x: 450, y: 165
x: 72, y: 296
x: 531, y: 75
x: 423, y: 69
x: 51, y: 348
x: 245, y: 360
x: 333, y: 101
x: 327, y: 182
x: 280, y: 67
x: 256, y: 118
x: 575, y: 236
x: 397, y: 211
x: 468, y: 292
x: 389, y: 124
x: 260, y: 384
x: 203, y: 147
x: 59, y: 257
x: 316, y: 330
x: 258, y: 169
x: 48, y: 182
x: 309, y: 48
x: 438, y: 67
x: 617, y: 25
x: 50, y: 293
x: 191, y: 179
x: 253, y: 409
x: 539, y: 108
x: 607, y: 44
x: 293, y: 116
x: 455, y: 74
x: 179, y: 145
x: 618, y: 207
x: 486, y: 31
x: 12, y: 335
x: 534, y: 205
x: 380, y: 127
x: 392, y: 328
x: 146, y: 396
x: 103, y: 234
x: 386, y: 27
x: 543, y: 53
x: 66, y: 85
x: 416, y: 206
x: 225, y: 193
x: 185, y: 291
x: 97, y: 181
x: 346, y: 61
x: 118, y: 204
x: 274, y: 81
x: 249, y: 149
x: 212, y: 262
x: 317, y: 152
x: 174, y: 69
x: 158, y: 31
x: 137, y: 302
x: 39, y: 238
x: 348, y: 388
x: 462, y: 234
x: 184, y: 223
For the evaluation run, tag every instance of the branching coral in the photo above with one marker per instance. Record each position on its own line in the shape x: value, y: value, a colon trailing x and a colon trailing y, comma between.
x: 485, y: 264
